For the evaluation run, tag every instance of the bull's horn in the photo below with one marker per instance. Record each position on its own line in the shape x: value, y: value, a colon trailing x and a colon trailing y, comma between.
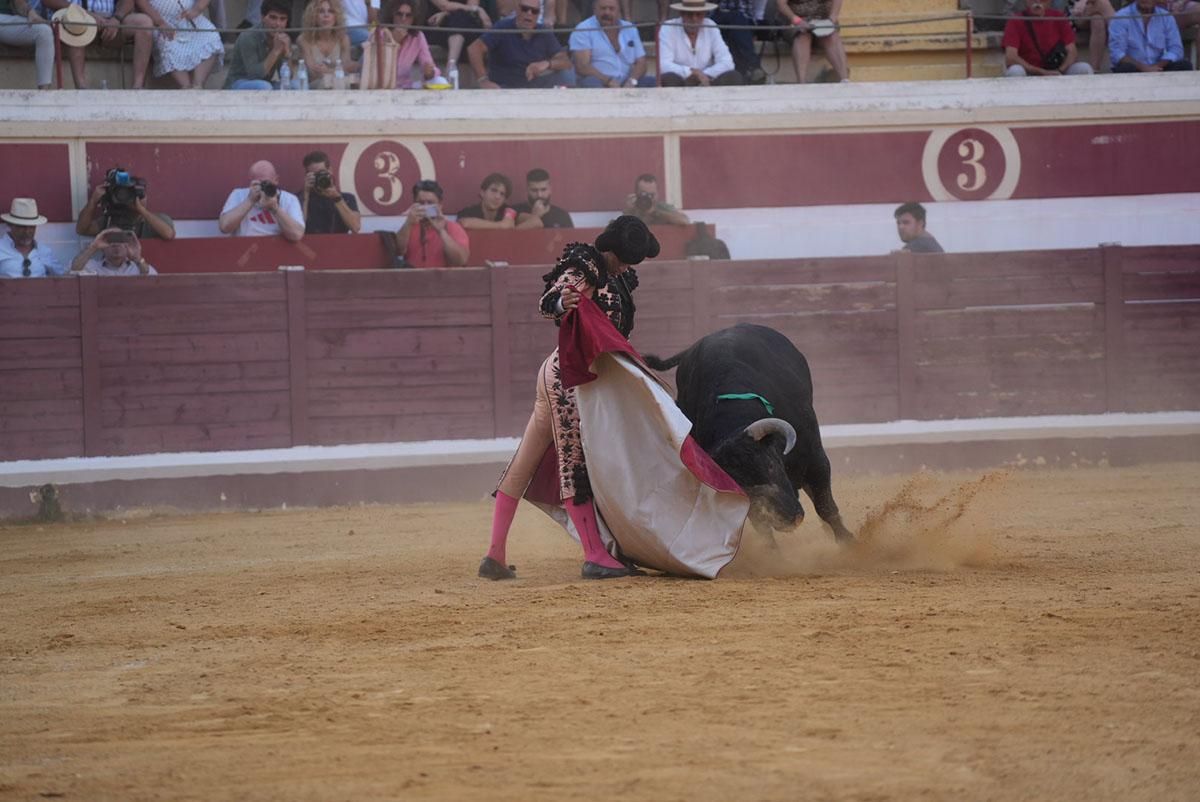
x: 761, y: 428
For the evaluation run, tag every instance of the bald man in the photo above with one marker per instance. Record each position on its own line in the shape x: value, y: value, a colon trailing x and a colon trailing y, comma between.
x: 264, y: 209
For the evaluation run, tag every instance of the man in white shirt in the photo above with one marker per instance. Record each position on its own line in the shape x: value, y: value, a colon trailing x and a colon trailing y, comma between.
x: 114, y: 252
x: 691, y: 50
x: 20, y: 254
x: 263, y: 209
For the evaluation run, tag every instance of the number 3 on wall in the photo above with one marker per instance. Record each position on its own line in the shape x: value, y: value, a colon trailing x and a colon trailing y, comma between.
x: 388, y: 165
x: 971, y: 151
x: 972, y: 180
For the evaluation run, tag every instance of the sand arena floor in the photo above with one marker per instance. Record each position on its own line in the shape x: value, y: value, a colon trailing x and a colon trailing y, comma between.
x: 1031, y: 635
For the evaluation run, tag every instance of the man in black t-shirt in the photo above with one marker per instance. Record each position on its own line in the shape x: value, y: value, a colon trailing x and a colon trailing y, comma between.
x: 327, y: 210
x: 539, y: 212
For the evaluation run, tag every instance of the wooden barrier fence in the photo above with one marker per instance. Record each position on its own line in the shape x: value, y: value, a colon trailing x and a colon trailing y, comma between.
x: 95, y: 366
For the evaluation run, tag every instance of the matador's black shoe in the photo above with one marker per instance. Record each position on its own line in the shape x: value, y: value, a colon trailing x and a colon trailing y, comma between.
x: 593, y: 570
x: 490, y: 569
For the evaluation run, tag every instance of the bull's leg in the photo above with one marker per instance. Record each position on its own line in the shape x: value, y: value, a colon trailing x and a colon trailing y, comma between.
x: 819, y: 487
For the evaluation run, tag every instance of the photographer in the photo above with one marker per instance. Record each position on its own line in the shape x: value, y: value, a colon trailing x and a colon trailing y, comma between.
x: 120, y: 202
x: 427, y: 238
x: 263, y: 209
x: 327, y: 210
x: 113, y: 252
x: 645, y: 205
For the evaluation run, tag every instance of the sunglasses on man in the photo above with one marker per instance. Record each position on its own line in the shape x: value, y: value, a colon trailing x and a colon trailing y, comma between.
x: 25, y: 267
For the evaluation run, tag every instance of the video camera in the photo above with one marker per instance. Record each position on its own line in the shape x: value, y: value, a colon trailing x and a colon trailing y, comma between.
x: 121, y: 194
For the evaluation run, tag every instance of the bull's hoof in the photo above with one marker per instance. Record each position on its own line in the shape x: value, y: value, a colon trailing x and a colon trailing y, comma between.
x: 490, y: 569
x: 593, y: 570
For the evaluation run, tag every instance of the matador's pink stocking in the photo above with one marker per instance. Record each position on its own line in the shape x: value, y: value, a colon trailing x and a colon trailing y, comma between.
x: 584, y: 518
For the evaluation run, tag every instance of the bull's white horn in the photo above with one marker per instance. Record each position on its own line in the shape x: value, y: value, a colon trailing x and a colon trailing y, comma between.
x: 761, y: 428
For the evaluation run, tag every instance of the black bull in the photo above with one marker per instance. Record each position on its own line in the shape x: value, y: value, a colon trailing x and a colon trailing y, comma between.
x: 728, y: 384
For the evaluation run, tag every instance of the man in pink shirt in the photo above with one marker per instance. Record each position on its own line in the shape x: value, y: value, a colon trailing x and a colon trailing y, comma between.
x: 427, y: 238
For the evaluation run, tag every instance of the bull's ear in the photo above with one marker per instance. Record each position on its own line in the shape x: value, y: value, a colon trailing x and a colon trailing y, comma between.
x: 761, y: 428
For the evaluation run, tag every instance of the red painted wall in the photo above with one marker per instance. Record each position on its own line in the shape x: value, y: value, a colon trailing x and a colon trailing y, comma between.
x: 190, y: 362
x: 38, y: 171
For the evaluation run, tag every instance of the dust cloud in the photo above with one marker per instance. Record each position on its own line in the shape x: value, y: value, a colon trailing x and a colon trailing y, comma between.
x: 921, y: 526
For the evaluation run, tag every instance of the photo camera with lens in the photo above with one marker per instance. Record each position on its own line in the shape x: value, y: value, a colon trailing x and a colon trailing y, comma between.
x: 323, y: 179
x: 121, y: 194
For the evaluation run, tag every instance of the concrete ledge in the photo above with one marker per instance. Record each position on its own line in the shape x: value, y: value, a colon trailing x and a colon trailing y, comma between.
x: 464, y: 470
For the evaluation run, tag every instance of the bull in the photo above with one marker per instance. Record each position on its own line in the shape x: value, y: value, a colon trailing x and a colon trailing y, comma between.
x: 749, y: 395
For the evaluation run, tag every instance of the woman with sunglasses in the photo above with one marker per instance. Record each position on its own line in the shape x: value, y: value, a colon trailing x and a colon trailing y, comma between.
x: 413, y: 49
x: 20, y: 254
x: 603, y: 272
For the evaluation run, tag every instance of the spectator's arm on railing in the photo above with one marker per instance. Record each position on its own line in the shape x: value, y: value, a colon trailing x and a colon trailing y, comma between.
x: 584, y: 68
x: 291, y: 220
x: 1174, y: 48
x: 232, y: 217
x: 475, y: 53
x: 722, y: 58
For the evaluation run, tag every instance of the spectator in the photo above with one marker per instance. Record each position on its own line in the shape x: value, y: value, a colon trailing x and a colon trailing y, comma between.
x: 263, y: 209
x: 325, y: 42
x: 427, y: 238
x: 327, y: 210
x: 809, y: 19
x: 412, y: 51
x: 538, y: 211
x: 1041, y: 42
x: 113, y: 253
x: 120, y: 202
x: 1186, y: 12
x: 645, y: 205
x: 740, y: 40
x: 105, y: 21
x: 258, y: 52
x: 452, y: 14
x: 1145, y: 38
x: 691, y: 51
x: 1090, y: 15
x: 607, y: 50
x: 20, y: 254
x: 492, y: 211
x: 187, y: 55
x: 533, y: 59
x: 359, y: 15
x: 21, y: 25
x: 910, y: 225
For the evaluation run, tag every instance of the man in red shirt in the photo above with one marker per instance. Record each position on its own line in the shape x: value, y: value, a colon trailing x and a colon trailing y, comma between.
x: 1041, y: 42
x: 427, y: 238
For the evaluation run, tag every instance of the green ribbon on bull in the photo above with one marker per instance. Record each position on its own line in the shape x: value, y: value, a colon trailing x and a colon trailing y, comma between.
x: 748, y: 397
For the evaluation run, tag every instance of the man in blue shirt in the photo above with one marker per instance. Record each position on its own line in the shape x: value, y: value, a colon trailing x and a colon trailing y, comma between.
x: 531, y: 59
x: 20, y: 254
x: 1144, y: 38
x: 607, y: 50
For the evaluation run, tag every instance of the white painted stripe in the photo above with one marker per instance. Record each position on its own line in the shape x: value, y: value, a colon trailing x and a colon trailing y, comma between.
x: 432, y: 453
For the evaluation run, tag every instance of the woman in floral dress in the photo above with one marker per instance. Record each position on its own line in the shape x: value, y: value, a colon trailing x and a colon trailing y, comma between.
x: 186, y: 44
x: 603, y: 273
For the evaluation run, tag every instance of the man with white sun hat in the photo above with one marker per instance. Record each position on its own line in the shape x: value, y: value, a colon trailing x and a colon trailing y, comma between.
x: 691, y: 50
x: 20, y: 254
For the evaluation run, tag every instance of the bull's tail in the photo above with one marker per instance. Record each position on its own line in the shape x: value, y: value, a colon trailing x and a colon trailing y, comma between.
x: 663, y: 364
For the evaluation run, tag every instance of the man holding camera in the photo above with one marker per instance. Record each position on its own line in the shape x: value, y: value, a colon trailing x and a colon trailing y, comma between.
x: 645, y: 205
x: 113, y: 252
x: 263, y: 209
x: 327, y: 210
x: 120, y: 202
x: 427, y: 238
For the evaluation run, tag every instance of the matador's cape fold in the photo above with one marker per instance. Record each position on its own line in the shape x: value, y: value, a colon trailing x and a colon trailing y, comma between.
x: 660, y: 496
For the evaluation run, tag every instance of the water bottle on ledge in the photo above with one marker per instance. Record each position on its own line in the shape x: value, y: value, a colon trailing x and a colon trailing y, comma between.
x: 452, y: 74
x: 285, y: 76
x: 301, y: 76
x: 339, y: 75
